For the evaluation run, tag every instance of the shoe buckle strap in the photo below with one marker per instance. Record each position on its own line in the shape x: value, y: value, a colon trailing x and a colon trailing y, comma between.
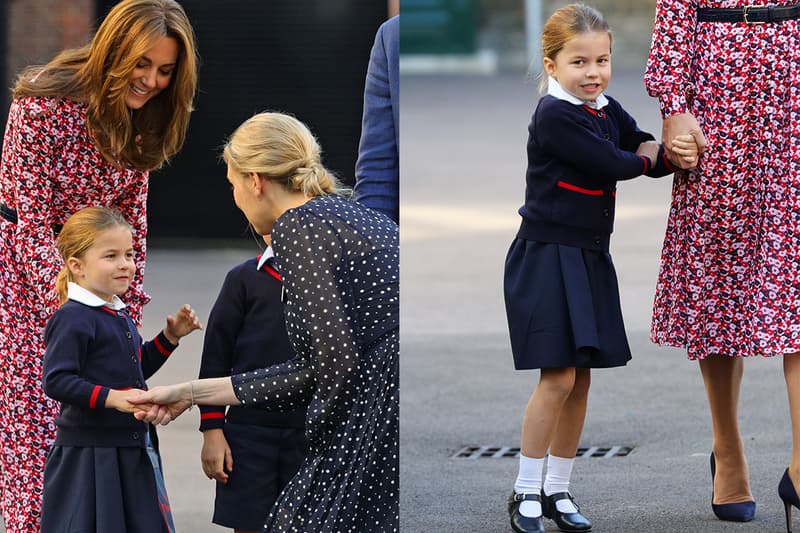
x: 529, y: 496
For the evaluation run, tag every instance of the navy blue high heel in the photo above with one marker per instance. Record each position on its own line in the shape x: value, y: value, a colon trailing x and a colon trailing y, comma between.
x: 788, y: 494
x: 731, y: 512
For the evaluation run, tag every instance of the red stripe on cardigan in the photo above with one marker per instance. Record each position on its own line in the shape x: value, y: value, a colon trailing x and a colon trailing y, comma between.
x: 159, y: 347
x: 93, y: 398
x: 272, y: 272
x: 571, y: 187
x: 209, y: 416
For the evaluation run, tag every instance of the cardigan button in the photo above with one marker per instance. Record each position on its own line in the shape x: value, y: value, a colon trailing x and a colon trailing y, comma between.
x: 597, y: 240
x: 135, y: 435
x: 128, y: 334
x: 606, y: 213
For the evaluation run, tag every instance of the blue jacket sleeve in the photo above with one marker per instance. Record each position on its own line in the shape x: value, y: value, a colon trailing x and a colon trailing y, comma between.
x: 377, y: 168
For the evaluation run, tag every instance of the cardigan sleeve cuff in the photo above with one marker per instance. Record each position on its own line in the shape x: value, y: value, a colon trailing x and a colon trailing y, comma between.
x: 163, y: 345
x: 98, y: 397
x: 673, y: 104
x: 211, y: 418
x: 667, y: 163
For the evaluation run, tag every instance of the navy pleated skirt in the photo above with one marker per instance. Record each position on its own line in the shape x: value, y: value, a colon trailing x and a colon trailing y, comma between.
x: 97, y: 490
x: 563, y: 307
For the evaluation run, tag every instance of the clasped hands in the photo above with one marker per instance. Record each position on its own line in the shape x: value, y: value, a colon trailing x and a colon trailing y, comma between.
x: 159, y: 405
x: 683, y: 142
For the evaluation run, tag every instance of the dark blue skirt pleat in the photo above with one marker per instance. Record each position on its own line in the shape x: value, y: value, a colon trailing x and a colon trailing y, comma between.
x: 563, y: 307
x: 88, y: 490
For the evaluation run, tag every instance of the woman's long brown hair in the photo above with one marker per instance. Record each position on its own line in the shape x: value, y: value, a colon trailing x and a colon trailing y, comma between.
x: 99, y: 75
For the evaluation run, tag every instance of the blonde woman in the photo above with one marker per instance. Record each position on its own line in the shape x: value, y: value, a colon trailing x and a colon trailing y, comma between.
x: 84, y: 129
x: 339, y: 263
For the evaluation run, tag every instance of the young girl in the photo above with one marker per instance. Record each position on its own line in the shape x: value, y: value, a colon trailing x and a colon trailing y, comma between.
x: 561, y: 292
x: 246, y: 331
x: 103, y: 472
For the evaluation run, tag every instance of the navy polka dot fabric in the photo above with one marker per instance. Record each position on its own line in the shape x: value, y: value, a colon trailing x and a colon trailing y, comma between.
x: 340, y: 267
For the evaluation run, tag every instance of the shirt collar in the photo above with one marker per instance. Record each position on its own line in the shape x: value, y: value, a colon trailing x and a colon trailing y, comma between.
x: 266, y: 256
x: 86, y: 297
x: 555, y: 89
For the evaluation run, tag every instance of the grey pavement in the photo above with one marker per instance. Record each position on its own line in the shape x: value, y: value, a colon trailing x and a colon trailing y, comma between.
x: 463, y: 163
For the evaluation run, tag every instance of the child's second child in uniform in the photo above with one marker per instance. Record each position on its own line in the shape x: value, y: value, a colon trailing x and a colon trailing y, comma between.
x: 560, y: 286
x: 103, y: 472
x: 251, y: 453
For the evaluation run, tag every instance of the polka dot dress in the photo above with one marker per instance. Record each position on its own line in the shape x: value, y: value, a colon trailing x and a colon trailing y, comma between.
x: 340, y: 267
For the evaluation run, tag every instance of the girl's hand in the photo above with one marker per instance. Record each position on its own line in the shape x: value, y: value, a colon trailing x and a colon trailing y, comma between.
x: 684, y: 151
x: 677, y: 125
x: 649, y: 149
x: 118, y: 399
x: 184, y: 322
x: 161, y: 405
x: 216, y: 455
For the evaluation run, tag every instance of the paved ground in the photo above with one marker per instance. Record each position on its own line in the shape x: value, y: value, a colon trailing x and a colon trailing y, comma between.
x: 463, y: 161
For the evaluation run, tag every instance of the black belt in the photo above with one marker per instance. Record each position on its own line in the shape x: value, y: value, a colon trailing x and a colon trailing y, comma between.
x: 10, y: 214
x: 749, y: 14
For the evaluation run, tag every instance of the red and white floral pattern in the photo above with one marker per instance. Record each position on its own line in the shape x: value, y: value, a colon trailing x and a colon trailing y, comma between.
x: 730, y: 270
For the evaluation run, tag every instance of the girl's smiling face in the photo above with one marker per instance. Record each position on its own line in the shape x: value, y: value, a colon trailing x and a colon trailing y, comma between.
x: 107, y: 267
x: 583, y: 66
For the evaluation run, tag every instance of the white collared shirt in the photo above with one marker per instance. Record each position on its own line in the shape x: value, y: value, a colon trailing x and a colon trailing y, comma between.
x: 87, y: 297
x: 556, y: 90
x: 268, y: 254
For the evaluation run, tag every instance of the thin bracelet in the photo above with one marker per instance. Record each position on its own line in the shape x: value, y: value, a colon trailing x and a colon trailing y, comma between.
x: 191, y: 392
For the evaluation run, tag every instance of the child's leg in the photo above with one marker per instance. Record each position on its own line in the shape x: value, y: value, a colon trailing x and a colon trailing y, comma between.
x: 538, y: 425
x: 544, y: 410
x: 566, y: 439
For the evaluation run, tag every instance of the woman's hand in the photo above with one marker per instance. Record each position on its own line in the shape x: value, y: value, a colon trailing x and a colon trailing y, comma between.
x: 216, y: 455
x: 181, y: 324
x: 161, y: 405
x: 676, y: 126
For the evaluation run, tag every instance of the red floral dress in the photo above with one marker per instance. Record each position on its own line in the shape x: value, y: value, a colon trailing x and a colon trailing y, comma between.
x: 50, y: 169
x: 730, y: 270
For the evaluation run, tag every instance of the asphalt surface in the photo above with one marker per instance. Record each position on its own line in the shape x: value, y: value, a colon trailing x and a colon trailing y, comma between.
x: 463, y: 163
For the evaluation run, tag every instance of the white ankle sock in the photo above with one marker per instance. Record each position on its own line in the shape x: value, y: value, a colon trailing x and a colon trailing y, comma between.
x: 559, y: 470
x: 529, y: 481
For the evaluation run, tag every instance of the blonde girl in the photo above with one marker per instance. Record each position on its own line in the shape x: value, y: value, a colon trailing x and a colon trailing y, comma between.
x: 561, y: 290
x: 103, y: 472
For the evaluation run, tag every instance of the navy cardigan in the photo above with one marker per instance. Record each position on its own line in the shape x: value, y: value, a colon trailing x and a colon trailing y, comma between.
x: 576, y: 155
x: 90, y: 350
x: 246, y: 331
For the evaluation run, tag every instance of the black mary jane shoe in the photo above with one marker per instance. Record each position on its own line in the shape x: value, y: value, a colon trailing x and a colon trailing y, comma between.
x: 524, y: 524
x: 569, y: 522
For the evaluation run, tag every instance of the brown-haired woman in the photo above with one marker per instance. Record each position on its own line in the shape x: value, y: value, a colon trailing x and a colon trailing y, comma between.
x: 84, y: 129
x: 340, y: 268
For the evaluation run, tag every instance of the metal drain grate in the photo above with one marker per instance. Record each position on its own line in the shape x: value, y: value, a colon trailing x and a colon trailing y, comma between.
x: 497, y: 452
